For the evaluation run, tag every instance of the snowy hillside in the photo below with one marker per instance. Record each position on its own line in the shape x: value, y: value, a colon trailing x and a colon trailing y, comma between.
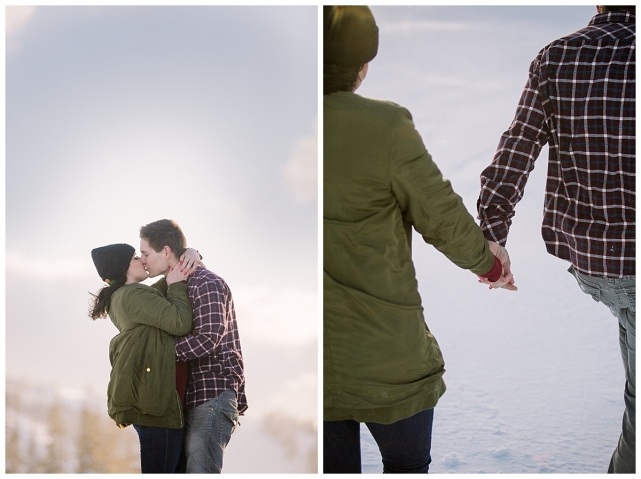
x: 56, y: 430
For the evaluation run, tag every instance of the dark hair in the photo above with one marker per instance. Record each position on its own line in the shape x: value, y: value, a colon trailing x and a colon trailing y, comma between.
x: 163, y: 233
x: 99, y: 304
x: 621, y: 8
x: 350, y: 40
x: 339, y: 77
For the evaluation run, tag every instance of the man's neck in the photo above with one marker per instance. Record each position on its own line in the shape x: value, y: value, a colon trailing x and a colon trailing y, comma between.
x: 172, y: 262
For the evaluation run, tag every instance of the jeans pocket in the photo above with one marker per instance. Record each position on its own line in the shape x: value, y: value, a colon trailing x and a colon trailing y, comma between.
x: 227, y: 421
x: 631, y: 294
x: 233, y: 418
x: 588, y: 287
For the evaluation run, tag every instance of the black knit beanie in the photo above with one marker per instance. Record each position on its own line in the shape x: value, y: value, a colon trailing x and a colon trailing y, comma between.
x: 350, y: 35
x: 112, y: 261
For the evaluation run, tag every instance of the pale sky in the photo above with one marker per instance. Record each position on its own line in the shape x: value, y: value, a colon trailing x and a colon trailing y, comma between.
x: 120, y: 116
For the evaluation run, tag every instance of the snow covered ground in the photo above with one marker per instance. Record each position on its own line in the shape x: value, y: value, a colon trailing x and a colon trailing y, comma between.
x: 535, y: 379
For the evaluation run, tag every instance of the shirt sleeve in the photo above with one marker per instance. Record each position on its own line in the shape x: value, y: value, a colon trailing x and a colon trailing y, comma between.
x: 503, y: 182
x: 428, y: 202
x: 173, y: 315
x: 210, y: 313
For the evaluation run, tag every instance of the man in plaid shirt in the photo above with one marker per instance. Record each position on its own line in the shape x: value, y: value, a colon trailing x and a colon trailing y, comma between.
x: 215, y: 395
x: 580, y: 98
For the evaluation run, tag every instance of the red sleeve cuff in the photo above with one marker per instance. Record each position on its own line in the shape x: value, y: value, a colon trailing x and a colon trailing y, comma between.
x: 182, y: 377
x: 495, y: 273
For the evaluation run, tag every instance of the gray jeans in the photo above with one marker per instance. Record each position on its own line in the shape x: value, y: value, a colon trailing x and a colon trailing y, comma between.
x: 619, y: 294
x: 208, y: 429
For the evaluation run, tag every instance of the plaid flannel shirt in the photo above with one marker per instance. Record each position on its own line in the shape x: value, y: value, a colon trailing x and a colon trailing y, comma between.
x: 579, y: 98
x: 213, y: 346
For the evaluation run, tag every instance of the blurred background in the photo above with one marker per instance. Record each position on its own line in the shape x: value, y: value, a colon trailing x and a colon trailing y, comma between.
x: 535, y: 378
x: 120, y: 116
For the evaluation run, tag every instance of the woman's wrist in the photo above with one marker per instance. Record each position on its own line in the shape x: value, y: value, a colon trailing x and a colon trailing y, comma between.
x: 197, y: 252
x: 495, y: 273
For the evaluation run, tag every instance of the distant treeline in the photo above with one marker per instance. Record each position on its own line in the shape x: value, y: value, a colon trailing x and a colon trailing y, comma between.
x: 48, y: 434
x: 61, y: 441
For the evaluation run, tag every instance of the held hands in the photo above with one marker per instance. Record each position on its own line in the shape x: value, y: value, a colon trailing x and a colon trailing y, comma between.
x: 176, y: 276
x: 506, y: 280
x: 189, y: 261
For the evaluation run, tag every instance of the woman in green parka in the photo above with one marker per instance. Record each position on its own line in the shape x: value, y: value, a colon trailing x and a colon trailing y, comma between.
x: 143, y: 383
x: 382, y: 366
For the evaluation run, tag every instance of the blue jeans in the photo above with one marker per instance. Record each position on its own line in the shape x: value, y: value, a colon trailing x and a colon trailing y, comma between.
x: 619, y: 295
x: 405, y: 445
x: 159, y: 448
x: 208, y: 429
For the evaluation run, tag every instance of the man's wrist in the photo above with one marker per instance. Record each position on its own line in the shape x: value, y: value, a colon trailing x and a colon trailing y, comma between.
x: 496, y: 234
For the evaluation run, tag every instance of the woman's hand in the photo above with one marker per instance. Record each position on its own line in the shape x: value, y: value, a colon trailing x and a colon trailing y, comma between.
x: 506, y: 280
x: 176, y: 276
x: 190, y: 260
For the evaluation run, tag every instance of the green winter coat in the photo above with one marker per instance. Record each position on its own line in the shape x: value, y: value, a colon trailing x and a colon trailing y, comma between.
x: 381, y: 363
x: 142, y: 385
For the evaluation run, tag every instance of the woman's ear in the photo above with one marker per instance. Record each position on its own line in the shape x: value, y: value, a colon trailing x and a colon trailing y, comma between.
x: 361, y: 75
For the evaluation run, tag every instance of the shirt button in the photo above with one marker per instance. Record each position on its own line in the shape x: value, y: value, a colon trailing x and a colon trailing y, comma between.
x: 148, y: 370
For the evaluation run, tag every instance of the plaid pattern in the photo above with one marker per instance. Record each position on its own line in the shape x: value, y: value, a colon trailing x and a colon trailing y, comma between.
x: 213, y: 347
x: 579, y: 98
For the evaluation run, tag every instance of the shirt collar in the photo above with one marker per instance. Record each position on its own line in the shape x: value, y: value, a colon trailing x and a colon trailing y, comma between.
x: 613, y: 17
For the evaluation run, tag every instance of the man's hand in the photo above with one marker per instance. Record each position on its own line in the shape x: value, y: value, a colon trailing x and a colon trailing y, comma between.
x: 507, y: 280
x: 190, y: 260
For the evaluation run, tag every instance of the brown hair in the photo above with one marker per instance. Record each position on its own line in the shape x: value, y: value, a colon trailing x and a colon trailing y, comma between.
x: 621, y: 8
x: 339, y: 77
x: 163, y: 233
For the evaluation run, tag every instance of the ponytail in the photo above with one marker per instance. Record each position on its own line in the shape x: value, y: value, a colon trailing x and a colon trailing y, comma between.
x: 339, y: 77
x: 99, y: 307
